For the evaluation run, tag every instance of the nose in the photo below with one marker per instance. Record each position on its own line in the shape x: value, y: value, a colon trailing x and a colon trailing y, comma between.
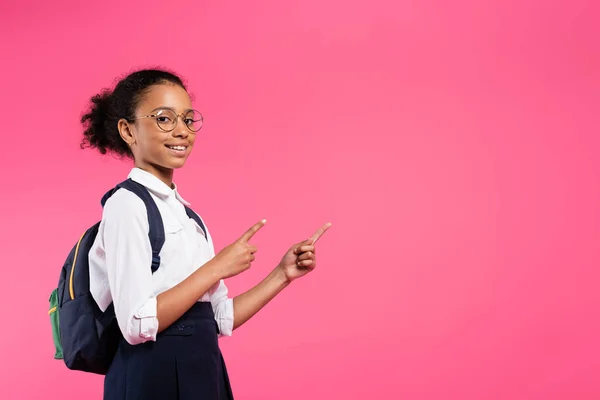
x: 181, y: 130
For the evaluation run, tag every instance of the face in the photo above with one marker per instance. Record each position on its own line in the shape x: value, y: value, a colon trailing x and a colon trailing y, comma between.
x: 155, y: 150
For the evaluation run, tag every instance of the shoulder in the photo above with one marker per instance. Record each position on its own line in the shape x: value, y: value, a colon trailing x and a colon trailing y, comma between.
x: 199, y: 217
x: 125, y: 206
x: 203, y: 227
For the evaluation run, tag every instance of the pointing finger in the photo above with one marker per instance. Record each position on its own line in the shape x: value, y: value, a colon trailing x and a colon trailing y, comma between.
x: 252, y: 231
x: 320, y: 232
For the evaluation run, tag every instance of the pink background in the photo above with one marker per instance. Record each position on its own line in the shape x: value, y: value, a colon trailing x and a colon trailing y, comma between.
x: 452, y: 144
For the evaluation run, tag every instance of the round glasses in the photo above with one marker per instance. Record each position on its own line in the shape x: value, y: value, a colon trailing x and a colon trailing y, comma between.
x: 167, y: 119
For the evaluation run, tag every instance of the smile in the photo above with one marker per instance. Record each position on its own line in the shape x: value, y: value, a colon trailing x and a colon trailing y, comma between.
x: 178, y: 148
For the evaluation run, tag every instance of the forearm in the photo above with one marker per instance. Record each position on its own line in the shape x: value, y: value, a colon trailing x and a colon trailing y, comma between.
x: 249, y: 303
x: 173, y: 303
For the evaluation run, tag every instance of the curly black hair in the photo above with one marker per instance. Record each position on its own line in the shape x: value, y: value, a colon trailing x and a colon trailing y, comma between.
x: 108, y: 107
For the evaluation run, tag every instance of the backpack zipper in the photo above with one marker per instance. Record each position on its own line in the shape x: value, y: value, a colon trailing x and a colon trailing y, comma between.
x: 71, y: 291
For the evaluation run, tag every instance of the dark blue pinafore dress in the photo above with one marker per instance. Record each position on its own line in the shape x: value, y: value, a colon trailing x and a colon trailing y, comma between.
x: 184, y: 363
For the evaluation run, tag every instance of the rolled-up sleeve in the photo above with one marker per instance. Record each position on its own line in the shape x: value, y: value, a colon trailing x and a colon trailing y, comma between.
x: 222, y: 304
x: 128, y: 259
x: 222, y: 307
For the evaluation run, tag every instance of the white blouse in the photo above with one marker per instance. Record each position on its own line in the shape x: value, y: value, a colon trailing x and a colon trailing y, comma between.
x: 121, y: 257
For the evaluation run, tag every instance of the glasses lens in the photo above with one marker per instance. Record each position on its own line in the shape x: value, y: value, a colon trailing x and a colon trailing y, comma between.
x: 166, y: 120
x: 193, y: 120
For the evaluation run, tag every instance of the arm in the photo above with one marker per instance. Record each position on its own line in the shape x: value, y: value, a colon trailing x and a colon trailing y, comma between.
x: 139, y: 313
x: 174, y: 302
x: 249, y: 303
x: 299, y: 260
x: 230, y: 314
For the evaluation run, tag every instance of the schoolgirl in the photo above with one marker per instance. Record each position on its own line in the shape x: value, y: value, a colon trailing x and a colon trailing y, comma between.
x: 171, y: 319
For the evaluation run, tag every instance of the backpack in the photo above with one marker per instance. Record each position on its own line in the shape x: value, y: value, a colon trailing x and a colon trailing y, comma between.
x: 85, y: 337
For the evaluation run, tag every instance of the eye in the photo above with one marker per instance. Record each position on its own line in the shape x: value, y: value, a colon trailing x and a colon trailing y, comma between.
x: 163, y: 118
x: 189, y: 121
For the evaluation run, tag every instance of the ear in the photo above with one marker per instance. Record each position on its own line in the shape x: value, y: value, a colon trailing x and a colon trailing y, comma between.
x: 126, y: 132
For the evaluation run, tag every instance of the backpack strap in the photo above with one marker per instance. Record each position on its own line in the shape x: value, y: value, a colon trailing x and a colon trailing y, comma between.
x: 156, y: 232
x: 190, y: 213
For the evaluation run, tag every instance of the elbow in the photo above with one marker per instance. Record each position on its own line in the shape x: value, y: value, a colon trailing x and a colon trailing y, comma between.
x: 140, y: 326
x: 224, y: 316
x: 132, y: 339
x: 140, y: 331
x: 225, y: 329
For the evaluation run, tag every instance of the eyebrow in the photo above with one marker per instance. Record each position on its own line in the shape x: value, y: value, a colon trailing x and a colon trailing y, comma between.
x: 169, y: 108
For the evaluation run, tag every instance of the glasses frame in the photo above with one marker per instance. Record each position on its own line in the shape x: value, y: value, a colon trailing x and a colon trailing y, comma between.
x: 155, y: 115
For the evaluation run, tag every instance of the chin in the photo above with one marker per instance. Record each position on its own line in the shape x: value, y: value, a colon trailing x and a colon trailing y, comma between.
x: 167, y: 165
x: 176, y: 165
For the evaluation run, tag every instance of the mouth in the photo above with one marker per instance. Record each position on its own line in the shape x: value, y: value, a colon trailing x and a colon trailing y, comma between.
x: 179, y: 149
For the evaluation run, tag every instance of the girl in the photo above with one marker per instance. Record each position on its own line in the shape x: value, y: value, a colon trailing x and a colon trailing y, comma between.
x: 169, y: 320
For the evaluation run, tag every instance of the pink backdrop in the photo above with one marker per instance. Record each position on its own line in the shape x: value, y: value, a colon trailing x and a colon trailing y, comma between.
x: 452, y: 144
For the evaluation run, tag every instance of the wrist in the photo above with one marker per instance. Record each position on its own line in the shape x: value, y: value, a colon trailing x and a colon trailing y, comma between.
x: 281, y: 276
x: 214, y: 270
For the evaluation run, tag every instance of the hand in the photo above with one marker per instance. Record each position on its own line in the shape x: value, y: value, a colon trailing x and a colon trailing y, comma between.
x: 238, y: 256
x: 300, y: 259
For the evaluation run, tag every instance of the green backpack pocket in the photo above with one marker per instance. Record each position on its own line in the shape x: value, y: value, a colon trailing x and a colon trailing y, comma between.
x: 54, y: 322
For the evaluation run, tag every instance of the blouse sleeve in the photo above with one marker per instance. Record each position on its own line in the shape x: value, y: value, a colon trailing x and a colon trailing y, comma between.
x: 222, y: 304
x: 128, y: 258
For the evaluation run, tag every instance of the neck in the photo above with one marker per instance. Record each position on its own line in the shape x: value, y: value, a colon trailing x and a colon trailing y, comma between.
x: 164, y: 174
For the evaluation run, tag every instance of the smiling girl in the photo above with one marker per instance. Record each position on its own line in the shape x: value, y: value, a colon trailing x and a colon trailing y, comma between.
x: 170, y: 320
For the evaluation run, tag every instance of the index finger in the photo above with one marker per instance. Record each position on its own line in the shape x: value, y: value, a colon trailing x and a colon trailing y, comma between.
x: 250, y: 232
x: 320, y: 232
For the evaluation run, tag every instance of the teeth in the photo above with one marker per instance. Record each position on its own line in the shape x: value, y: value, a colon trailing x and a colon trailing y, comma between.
x: 177, y: 147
